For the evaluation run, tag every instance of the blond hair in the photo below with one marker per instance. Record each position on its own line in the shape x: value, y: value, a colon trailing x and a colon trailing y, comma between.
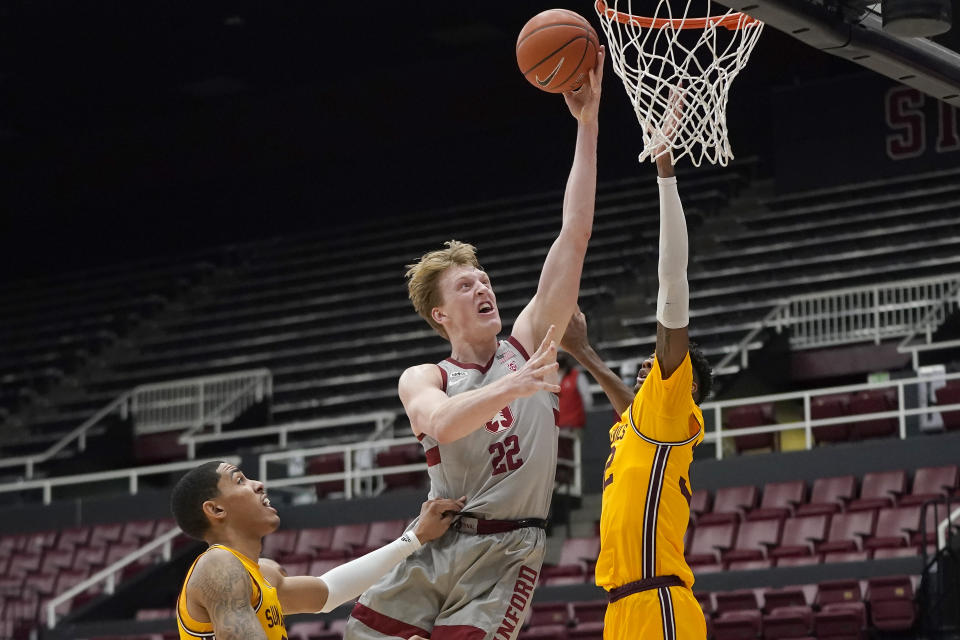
x: 423, y: 277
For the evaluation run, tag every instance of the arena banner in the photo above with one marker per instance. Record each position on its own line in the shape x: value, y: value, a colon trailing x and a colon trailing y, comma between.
x: 860, y: 127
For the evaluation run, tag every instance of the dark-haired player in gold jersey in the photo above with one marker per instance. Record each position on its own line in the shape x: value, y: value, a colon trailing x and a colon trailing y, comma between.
x: 231, y: 594
x: 646, y: 484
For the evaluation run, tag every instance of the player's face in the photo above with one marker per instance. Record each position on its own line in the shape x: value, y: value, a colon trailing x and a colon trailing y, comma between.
x: 468, y: 301
x: 645, y: 368
x: 245, y: 502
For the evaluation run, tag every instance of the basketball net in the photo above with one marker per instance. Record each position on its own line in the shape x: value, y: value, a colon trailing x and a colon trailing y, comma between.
x: 677, y: 71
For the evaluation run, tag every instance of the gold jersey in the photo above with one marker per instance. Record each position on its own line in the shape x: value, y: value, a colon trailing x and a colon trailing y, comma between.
x: 263, y: 599
x: 646, y: 484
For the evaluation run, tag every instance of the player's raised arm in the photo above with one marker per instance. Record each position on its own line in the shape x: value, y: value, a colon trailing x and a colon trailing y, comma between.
x: 577, y: 344
x: 310, y: 594
x: 559, y: 283
x: 222, y: 587
x: 447, y: 419
x: 673, y: 297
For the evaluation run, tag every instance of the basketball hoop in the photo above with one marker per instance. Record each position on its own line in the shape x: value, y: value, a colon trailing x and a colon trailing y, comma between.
x: 677, y: 72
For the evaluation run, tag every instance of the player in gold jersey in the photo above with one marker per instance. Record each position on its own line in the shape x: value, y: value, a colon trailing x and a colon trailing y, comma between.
x: 646, y: 484
x: 228, y: 594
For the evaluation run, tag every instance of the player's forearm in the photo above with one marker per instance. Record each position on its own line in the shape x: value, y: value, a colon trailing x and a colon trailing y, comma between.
x: 348, y: 581
x: 466, y: 412
x: 617, y: 392
x: 579, y: 198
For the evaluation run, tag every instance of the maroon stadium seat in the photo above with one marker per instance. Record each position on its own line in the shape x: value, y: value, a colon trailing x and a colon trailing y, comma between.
x: 346, y: 537
x: 572, y: 565
x: 279, y: 543
x: 891, y: 603
x: 894, y: 528
x: 402, y: 455
x: 700, y: 503
x: 880, y: 489
x: 847, y: 531
x: 23, y: 563
x: 737, y: 625
x: 307, y: 630
x: 739, y: 600
x: 379, y: 534
x: 586, y: 631
x: 829, y: 495
x: 139, y: 531
x: 846, y: 556
x: 548, y: 632
x: 730, y: 504
x: 311, y: 541
x: 780, y: 499
x: 831, y: 406
x: 755, y: 415
x: 71, y: 538
x: 56, y: 559
x: 842, y: 613
x: 550, y: 613
x: 320, y: 567
x: 709, y: 541
x: 41, y: 584
x: 874, y: 401
x: 105, y: 534
x: 89, y: 557
x: 589, y: 611
x: 40, y: 542
x: 798, y: 561
x: 930, y: 483
x: 800, y: 535
x: 753, y: 539
x: 949, y: 394
x: 328, y: 463
x: 834, y: 591
x: 784, y: 597
x: 794, y: 621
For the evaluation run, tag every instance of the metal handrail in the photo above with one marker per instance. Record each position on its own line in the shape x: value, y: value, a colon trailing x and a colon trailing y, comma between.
x: 807, y: 423
x: 283, y: 431
x: 350, y: 473
x: 164, y: 542
x: 780, y: 317
x: 131, y: 473
x: 127, y: 403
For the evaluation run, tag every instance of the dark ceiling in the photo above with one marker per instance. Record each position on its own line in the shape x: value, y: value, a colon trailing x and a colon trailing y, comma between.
x: 143, y: 127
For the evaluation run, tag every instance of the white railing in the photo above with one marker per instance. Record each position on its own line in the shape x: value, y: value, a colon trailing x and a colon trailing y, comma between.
x: 132, y: 475
x: 381, y: 420
x: 360, y: 477
x: 944, y: 524
x: 195, y: 403
x: 207, y: 401
x: 808, y: 423
x: 869, y: 313
x: 109, y: 574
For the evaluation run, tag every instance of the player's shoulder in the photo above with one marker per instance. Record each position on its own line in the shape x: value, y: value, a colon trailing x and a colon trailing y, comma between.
x: 217, y: 559
x: 216, y: 566
x: 421, y: 375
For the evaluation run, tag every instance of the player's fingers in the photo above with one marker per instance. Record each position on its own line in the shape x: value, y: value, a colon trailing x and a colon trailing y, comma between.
x: 547, y: 338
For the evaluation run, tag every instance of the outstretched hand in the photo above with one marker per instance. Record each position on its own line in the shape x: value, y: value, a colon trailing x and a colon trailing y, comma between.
x: 540, y: 371
x: 584, y: 103
x: 436, y: 516
x: 671, y: 124
x: 575, y: 340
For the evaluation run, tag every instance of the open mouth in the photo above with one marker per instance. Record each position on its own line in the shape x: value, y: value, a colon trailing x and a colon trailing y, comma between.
x: 266, y: 503
x: 486, y: 309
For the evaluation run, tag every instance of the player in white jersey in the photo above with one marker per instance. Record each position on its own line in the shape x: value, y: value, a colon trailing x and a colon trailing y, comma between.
x: 486, y: 419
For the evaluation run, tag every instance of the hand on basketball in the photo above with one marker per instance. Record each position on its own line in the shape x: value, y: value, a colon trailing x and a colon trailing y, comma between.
x: 584, y: 103
x: 436, y: 516
x: 575, y: 340
x: 540, y: 371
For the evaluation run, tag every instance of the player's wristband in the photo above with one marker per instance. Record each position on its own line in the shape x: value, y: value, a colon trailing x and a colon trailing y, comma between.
x: 349, y: 580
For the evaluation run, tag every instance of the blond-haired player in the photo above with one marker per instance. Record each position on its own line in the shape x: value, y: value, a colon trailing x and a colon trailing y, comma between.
x: 486, y: 419
x: 646, y: 485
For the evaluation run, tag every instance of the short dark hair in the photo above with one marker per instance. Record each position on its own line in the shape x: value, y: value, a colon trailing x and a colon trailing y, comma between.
x: 702, y: 372
x: 186, y: 500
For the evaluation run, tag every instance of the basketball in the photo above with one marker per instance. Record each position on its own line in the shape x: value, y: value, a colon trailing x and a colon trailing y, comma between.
x: 556, y: 50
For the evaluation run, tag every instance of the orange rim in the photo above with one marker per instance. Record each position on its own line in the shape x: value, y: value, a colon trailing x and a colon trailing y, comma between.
x: 731, y: 21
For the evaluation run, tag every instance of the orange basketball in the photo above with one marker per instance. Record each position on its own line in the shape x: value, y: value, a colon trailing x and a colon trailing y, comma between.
x: 556, y: 49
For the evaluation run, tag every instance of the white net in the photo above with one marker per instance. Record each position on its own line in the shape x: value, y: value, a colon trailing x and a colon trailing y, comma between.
x: 677, y: 69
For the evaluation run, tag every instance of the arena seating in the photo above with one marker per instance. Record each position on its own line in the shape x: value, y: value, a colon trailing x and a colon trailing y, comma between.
x: 327, y: 314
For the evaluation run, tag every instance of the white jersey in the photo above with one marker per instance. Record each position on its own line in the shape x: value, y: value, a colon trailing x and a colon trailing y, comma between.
x: 506, y: 468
